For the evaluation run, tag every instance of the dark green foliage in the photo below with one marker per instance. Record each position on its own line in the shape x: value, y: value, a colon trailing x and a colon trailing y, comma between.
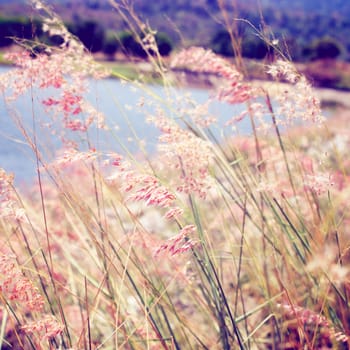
x: 164, y: 44
x: 111, y: 44
x: 55, y: 40
x: 37, y: 50
x: 322, y: 48
x: 221, y: 44
x: 130, y: 45
x: 327, y: 48
x: 18, y: 27
x: 254, y: 47
x: 90, y: 33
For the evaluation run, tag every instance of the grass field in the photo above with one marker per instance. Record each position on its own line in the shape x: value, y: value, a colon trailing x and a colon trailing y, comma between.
x: 237, y: 243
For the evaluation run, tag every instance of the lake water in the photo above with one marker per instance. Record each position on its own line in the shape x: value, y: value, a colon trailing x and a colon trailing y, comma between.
x: 118, y: 103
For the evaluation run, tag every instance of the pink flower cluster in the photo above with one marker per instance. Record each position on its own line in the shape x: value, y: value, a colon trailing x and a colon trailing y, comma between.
x: 9, y: 206
x: 319, y: 184
x: 72, y: 155
x: 313, y: 179
x: 205, y: 61
x: 6, y: 192
x: 42, y: 72
x: 46, y: 328
x: 297, y: 101
x: 142, y: 187
x: 69, y: 103
x: 187, y: 154
x: 63, y: 71
x: 148, y: 189
x: 180, y: 243
x: 199, y: 113
x: 174, y: 213
x: 16, y: 287
x: 309, y: 317
x: 255, y: 109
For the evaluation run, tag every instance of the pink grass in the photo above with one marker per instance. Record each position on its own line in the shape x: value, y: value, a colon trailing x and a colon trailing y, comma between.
x: 195, y: 247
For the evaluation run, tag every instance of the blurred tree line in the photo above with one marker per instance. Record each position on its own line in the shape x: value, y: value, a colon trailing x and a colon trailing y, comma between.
x: 91, y: 33
x: 97, y: 38
x: 255, y: 46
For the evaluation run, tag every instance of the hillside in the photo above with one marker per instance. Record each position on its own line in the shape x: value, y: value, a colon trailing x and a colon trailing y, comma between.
x: 297, y: 25
x: 298, y: 21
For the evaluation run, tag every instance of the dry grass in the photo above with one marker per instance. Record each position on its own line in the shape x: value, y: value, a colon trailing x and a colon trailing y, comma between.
x: 238, y: 242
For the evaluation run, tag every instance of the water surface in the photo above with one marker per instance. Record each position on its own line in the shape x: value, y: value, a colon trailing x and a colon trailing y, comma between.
x: 118, y: 102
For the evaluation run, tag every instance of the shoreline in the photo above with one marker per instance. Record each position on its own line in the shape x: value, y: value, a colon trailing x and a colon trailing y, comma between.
x: 330, y: 97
